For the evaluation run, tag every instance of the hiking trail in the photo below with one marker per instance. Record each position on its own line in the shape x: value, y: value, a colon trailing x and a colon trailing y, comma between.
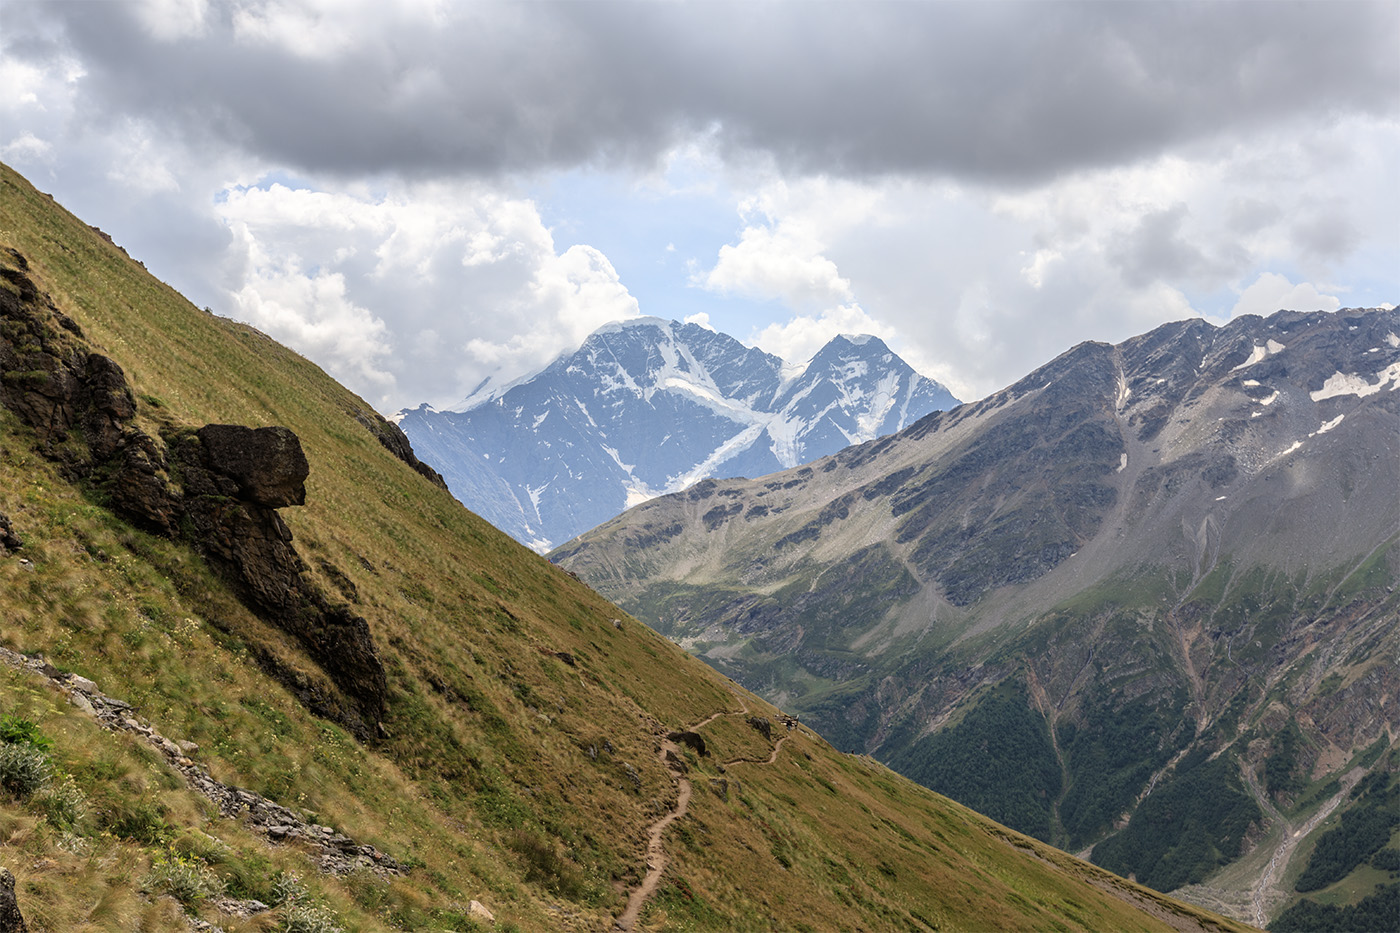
x: 670, y: 756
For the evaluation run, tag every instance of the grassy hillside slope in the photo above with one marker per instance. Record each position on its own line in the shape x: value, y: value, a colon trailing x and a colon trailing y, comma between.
x: 520, y: 760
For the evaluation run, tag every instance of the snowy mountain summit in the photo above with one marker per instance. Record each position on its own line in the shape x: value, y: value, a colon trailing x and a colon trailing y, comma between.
x: 647, y: 407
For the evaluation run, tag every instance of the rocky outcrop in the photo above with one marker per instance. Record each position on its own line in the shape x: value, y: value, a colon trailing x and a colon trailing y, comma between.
x: 11, y: 920
x: 694, y: 740
x: 397, y: 443
x: 217, y: 487
x: 9, y: 541
x: 265, y: 465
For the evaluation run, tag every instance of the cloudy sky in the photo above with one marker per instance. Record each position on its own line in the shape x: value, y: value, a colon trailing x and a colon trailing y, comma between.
x: 421, y: 194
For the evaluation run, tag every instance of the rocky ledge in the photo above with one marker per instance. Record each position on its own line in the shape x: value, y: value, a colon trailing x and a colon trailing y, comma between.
x: 334, y: 852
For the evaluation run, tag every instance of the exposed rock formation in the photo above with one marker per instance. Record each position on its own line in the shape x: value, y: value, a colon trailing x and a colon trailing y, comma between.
x: 694, y: 740
x: 217, y: 487
x: 9, y: 541
x: 396, y: 442
x: 266, y: 465
x: 11, y: 920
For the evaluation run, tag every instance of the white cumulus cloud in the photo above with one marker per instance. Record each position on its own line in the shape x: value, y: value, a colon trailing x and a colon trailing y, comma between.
x: 464, y: 262
x: 800, y: 337
x: 1273, y: 292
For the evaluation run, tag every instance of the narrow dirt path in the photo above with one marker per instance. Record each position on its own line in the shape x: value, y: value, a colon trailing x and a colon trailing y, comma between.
x: 657, y: 860
x: 671, y: 758
x: 760, y: 761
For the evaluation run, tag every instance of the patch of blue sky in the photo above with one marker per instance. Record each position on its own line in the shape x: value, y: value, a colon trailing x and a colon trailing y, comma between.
x: 660, y: 239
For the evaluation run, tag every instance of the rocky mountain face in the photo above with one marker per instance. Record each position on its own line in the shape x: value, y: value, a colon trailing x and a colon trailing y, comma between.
x: 650, y: 406
x: 1144, y: 600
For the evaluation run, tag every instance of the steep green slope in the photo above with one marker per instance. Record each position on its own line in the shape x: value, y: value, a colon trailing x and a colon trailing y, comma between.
x: 501, y: 735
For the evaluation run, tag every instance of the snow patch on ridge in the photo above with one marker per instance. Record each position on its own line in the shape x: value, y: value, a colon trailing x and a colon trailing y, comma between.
x: 1340, y: 383
x: 881, y: 401
x: 617, y: 327
x: 1328, y: 426
x: 638, y: 493
x: 1260, y: 353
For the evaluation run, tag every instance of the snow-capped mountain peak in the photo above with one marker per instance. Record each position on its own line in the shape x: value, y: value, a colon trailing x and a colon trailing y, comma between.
x: 648, y: 406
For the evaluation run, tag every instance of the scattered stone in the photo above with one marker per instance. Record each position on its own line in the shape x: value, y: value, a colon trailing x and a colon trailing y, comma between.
x: 617, y: 624
x: 764, y: 727
x: 561, y: 655
x: 479, y: 912
x: 81, y: 684
x: 632, y: 775
x: 721, y: 788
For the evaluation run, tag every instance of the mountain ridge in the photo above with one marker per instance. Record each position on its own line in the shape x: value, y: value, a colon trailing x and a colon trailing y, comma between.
x: 1183, y: 535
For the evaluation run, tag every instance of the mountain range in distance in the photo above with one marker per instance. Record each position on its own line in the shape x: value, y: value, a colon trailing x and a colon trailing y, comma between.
x: 648, y: 406
x: 1142, y: 603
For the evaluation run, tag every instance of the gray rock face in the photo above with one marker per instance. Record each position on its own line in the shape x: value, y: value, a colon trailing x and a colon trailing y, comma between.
x: 649, y: 407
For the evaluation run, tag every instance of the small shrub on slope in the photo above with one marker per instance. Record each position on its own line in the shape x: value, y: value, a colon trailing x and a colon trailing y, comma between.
x: 24, y: 770
x: 184, y: 877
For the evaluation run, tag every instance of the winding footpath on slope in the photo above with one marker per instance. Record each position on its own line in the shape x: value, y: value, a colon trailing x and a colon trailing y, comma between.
x: 669, y: 755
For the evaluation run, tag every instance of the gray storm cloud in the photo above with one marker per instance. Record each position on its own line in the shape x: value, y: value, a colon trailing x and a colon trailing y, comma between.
x: 998, y: 92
